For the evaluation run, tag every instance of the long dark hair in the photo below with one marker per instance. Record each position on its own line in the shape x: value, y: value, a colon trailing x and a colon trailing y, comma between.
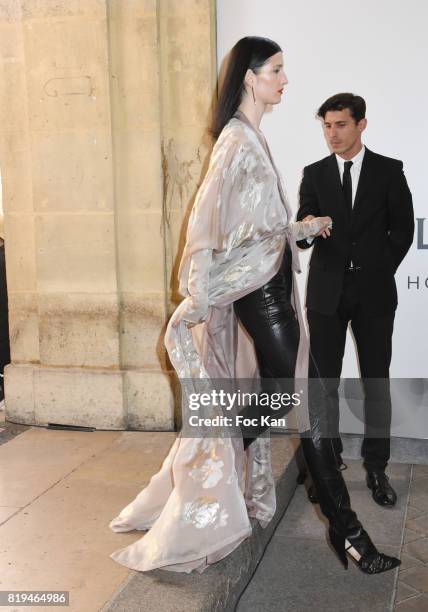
x: 249, y: 52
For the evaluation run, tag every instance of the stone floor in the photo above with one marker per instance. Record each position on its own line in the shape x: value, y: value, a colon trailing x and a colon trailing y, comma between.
x: 59, y: 490
x: 412, y: 589
x: 9, y: 430
x: 299, y: 568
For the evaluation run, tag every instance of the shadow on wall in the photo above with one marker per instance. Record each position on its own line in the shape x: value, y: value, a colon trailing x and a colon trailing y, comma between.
x: 183, y: 174
x: 4, y: 315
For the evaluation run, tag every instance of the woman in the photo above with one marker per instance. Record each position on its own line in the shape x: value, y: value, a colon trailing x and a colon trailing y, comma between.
x: 239, y: 256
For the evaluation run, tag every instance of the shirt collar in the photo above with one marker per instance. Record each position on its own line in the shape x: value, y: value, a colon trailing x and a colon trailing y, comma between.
x: 357, y: 159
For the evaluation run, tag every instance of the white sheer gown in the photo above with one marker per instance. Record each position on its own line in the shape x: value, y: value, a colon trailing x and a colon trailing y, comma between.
x: 197, y: 508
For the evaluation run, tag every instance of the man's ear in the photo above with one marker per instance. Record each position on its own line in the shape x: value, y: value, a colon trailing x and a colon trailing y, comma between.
x: 362, y: 124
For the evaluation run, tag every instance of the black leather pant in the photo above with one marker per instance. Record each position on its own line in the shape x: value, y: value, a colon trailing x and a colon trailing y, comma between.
x: 269, y: 318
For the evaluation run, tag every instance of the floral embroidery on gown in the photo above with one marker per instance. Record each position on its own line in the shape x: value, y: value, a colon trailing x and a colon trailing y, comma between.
x: 196, y: 509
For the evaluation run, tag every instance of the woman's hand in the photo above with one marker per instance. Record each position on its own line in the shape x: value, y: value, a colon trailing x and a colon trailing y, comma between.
x: 192, y: 311
x: 325, y: 225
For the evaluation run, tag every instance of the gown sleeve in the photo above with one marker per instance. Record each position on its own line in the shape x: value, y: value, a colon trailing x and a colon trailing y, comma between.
x: 205, y: 228
x: 196, y: 308
x: 307, y: 229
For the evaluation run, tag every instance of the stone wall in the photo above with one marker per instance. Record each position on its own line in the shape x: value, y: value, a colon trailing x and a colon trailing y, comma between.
x: 103, y: 112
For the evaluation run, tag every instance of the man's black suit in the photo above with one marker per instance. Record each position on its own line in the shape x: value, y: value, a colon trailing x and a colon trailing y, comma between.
x: 375, y: 236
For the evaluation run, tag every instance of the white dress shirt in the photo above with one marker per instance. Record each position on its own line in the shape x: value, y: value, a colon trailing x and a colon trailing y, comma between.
x: 357, y: 161
x: 355, y: 169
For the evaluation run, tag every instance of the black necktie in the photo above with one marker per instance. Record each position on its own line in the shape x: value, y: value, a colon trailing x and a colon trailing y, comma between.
x: 347, y: 185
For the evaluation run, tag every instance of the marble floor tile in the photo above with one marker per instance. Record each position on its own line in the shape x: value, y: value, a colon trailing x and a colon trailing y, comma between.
x: 419, y: 524
x: 410, y: 535
x: 418, y: 549
x: 420, y: 471
x: 413, y: 512
x: 407, y: 562
x: 404, y: 591
x: 419, y: 493
x: 414, y: 604
x: 416, y: 577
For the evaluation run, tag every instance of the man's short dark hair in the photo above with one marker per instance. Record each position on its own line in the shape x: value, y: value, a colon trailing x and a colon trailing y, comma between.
x: 356, y: 105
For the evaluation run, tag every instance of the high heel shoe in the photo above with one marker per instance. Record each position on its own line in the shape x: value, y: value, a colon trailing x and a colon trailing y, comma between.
x: 347, y: 535
x: 362, y: 550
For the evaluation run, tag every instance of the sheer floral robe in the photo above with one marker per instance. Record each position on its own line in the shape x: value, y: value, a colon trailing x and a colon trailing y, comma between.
x: 197, y: 507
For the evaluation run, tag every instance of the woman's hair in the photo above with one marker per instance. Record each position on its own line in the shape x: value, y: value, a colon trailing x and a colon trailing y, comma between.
x: 249, y: 52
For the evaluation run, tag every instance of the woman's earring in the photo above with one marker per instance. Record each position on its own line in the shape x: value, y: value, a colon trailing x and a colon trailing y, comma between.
x: 254, y: 97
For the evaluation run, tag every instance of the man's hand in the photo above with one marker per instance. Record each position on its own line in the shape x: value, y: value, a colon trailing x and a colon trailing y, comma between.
x: 325, y: 233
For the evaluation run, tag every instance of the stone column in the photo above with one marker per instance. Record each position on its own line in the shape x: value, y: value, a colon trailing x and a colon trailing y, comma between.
x: 101, y: 151
x: 188, y: 91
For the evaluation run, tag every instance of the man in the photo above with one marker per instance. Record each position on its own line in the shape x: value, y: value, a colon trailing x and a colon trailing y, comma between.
x: 351, y: 275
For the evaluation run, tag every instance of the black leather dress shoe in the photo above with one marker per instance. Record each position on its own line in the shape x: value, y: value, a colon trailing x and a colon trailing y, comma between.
x: 382, y: 492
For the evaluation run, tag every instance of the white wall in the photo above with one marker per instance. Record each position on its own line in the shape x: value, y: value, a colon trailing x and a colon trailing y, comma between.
x: 378, y: 50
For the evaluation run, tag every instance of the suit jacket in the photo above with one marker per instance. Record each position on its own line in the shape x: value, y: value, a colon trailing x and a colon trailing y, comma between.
x: 376, y: 234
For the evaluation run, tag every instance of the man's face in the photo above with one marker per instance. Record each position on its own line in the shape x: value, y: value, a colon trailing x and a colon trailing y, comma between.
x: 342, y: 132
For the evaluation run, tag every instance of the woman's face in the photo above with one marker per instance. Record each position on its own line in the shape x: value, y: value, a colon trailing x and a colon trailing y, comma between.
x: 270, y: 80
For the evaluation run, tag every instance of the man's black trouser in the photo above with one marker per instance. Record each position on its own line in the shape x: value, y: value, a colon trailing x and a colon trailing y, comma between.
x: 373, y: 337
